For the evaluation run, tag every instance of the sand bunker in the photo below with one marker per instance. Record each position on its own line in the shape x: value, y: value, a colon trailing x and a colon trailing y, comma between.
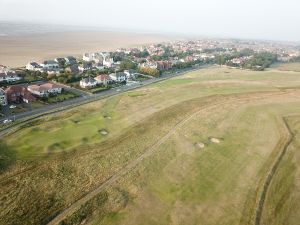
x: 215, y: 140
x: 200, y: 145
x: 103, y: 132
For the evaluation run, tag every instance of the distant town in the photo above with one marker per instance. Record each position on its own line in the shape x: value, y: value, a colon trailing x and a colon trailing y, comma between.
x: 38, y: 84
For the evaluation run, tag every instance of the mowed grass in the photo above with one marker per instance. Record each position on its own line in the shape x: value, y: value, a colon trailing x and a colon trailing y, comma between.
x: 63, y: 157
x: 72, y: 129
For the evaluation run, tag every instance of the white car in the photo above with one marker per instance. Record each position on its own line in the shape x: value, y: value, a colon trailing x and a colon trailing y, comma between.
x: 12, y: 106
x: 7, y: 121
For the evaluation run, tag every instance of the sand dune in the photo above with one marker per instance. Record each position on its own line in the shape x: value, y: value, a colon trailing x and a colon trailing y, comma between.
x: 18, y: 50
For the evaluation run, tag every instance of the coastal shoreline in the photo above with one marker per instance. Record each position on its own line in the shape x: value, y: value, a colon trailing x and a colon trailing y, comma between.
x: 17, y: 51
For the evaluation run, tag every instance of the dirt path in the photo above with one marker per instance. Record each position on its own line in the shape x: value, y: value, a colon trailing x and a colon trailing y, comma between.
x: 148, y: 152
x: 288, y: 139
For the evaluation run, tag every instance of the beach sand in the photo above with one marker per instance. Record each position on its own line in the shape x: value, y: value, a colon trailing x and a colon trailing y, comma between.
x: 16, y: 51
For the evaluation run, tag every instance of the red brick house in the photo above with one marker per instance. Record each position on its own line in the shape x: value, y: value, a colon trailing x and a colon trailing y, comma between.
x: 18, y: 94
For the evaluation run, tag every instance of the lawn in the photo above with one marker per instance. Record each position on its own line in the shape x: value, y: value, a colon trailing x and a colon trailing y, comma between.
x: 210, y: 137
x: 98, y: 89
x: 65, y: 95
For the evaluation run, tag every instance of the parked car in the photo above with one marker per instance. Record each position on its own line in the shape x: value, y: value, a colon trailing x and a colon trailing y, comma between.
x: 7, y: 121
x: 12, y: 106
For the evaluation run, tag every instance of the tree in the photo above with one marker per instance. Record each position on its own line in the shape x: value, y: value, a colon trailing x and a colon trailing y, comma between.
x: 149, y: 71
x: 127, y: 65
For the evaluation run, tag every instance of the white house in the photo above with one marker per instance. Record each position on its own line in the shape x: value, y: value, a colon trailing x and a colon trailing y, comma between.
x: 34, y: 66
x: 103, y: 79
x: 9, y: 76
x: 44, y: 90
x: 130, y: 74
x: 118, y: 77
x: 149, y: 64
x: 88, y: 82
x: 93, y: 57
x: 107, y: 60
x: 3, y: 99
x: 50, y: 65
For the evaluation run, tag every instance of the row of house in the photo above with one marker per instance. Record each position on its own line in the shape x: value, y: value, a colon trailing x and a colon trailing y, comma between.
x: 104, y: 79
x: 160, y: 65
x: 100, y: 58
x: 90, y: 82
x: 52, y: 66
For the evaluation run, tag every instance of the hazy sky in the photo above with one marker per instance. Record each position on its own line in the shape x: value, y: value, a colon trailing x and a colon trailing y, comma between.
x: 263, y: 19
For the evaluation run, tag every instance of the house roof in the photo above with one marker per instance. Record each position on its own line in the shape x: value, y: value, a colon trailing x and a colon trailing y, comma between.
x: 102, y: 77
x: 36, y: 88
x: 43, y: 87
x: 50, y: 85
x: 15, y: 89
x: 88, y: 80
x: 28, y: 96
x: 71, y: 58
x: 121, y: 74
x: 47, y: 62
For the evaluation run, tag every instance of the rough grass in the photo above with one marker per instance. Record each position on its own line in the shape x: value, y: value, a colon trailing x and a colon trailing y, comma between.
x: 283, y: 199
x: 295, y: 67
x: 57, y: 160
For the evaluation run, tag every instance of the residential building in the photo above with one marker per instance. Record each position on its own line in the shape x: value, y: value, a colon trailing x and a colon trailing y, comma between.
x: 18, y: 94
x: 103, y: 79
x: 45, y: 89
x: 149, y: 64
x: 3, y: 100
x: 9, y: 76
x: 107, y: 60
x: 74, y: 69
x: 34, y: 66
x: 70, y: 60
x: 118, y: 77
x: 130, y: 74
x: 60, y: 61
x: 93, y: 57
x: 50, y: 65
x: 88, y: 82
x: 164, y: 65
x: 85, y: 67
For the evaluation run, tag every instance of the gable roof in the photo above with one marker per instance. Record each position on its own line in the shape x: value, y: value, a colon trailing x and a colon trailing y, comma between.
x: 43, y: 87
x: 102, y: 77
x: 89, y: 80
